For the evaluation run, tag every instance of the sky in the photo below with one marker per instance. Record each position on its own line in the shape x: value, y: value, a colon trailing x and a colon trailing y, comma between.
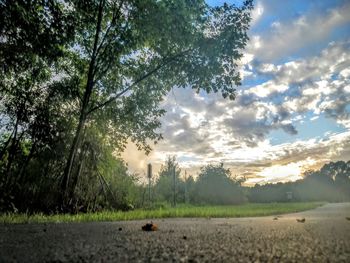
x: 292, y: 111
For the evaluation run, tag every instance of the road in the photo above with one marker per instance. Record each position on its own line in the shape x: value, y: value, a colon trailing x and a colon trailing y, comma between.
x: 323, y: 237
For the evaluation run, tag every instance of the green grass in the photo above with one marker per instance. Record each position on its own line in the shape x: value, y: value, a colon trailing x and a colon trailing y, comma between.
x: 246, y: 210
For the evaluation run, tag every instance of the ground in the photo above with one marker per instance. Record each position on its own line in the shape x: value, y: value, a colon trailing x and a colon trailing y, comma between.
x: 323, y: 237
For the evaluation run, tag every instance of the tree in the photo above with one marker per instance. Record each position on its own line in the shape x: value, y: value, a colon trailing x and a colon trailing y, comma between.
x: 34, y: 35
x: 339, y: 175
x: 165, y: 183
x: 73, y: 68
x: 216, y: 186
x: 133, y: 52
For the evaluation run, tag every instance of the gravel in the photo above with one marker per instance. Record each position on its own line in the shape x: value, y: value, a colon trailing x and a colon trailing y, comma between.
x: 323, y: 237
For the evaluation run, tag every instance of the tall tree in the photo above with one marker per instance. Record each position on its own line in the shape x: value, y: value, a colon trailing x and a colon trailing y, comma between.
x: 169, y: 188
x: 134, y: 51
x: 33, y: 36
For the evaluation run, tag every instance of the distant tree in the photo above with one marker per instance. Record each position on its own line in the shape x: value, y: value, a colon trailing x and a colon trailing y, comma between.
x: 339, y: 172
x: 318, y: 185
x: 189, y: 185
x: 330, y: 183
x: 216, y: 186
x: 164, y: 186
x: 268, y: 193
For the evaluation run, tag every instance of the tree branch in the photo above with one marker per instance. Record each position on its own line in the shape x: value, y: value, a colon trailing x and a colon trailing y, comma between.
x: 114, y: 18
x: 161, y: 65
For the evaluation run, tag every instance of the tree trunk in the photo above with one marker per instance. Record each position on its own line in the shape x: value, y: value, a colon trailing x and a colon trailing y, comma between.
x: 20, y: 177
x: 68, y: 169
x: 12, y: 152
x: 77, y: 175
x: 65, y: 187
x: 6, y: 144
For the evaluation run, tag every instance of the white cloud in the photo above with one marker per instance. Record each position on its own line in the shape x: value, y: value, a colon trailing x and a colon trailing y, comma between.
x: 345, y: 73
x: 281, y: 173
x: 257, y: 13
x: 267, y: 89
x: 285, y: 38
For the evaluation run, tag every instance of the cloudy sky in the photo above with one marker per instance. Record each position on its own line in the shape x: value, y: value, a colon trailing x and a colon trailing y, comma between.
x: 292, y: 112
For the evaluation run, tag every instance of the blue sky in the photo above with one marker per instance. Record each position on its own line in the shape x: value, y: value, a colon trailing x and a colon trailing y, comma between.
x: 292, y: 111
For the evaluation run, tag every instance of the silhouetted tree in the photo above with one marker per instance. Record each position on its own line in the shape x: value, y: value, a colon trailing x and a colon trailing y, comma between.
x: 330, y: 183
x: 216, y: 186
x: 164, y: 186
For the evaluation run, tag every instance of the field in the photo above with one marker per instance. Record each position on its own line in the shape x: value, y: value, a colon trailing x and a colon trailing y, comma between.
x: 247, y: 210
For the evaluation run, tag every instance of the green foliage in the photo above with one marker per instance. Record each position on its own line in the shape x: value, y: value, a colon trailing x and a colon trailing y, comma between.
x: 122, y: 189
x: 164, y: 187
x: 34, y: 35
x: 216, y: 186
x: 32, y: 29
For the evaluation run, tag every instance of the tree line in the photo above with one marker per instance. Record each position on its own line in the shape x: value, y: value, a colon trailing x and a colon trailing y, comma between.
x: 215, y: 185
x: 79, y: 78
x: 331, y: 183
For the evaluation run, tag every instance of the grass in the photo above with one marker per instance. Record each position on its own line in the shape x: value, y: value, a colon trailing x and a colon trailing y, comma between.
x: 246, y: 210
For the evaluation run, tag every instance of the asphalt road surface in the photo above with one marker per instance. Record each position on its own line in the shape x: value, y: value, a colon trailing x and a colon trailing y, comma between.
x: 323, y: 237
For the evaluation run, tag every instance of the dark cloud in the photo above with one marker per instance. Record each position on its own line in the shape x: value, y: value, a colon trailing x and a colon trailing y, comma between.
x: 245, y: 100
x: 290, y: 129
